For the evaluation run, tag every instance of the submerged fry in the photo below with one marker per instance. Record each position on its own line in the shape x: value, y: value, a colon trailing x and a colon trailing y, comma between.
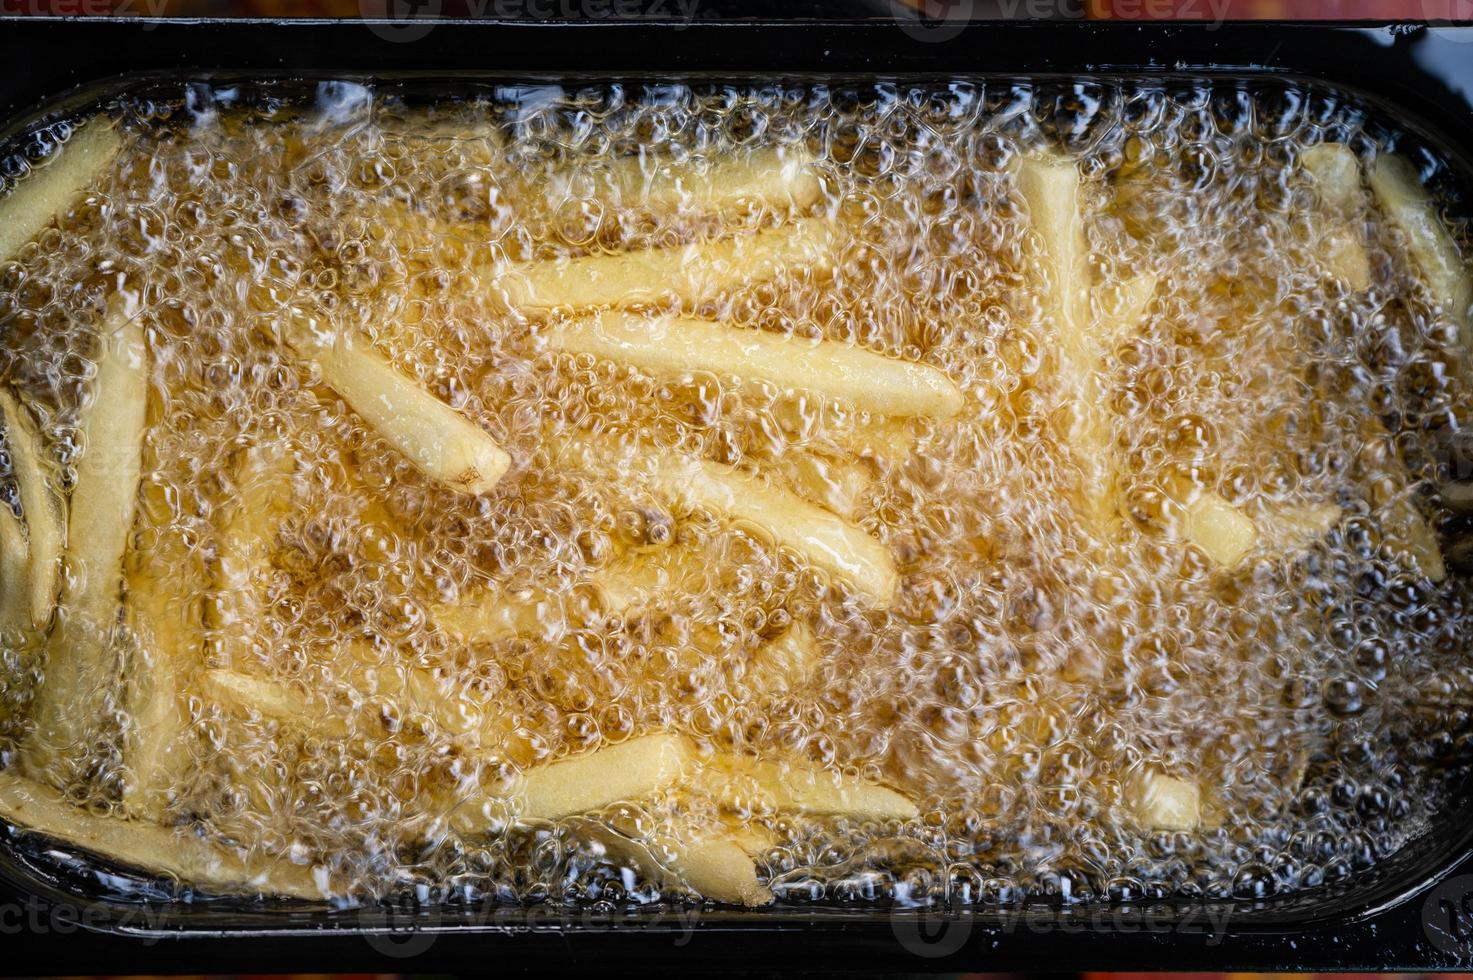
x: 720, y: 869
x: 41, y: 505
x: 15, y: 574
x: 691, y: 273
x: 790, y: 787
x: 40, y: 198
x: 251, y: 696
x: 1336, y: 175
x: 677, y: 345
x: 1430, y: 247
x: 1163, y: 802
x: 827, y: 541
x: 156, y: 850
x: 81, y: 665
x: 769, y: 177
x: 1050, y: 185
x: 1221, y: 530
x: 440, y: 442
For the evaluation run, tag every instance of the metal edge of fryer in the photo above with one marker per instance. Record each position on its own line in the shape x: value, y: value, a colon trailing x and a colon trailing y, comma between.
x: 1409, y: 912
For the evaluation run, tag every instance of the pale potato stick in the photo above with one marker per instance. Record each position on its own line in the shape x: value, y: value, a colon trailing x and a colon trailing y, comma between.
x: 161, y: 574
x: 1336, y: 175
x: 1049, y: 184
x: 438, y: 440
x: 40, y: 810
x: 891, y: 440
x: 629, y: 770
x: 791, y: 787
x: 691, y: 273
x: 487, y: 618
x: 250, y: 696
x: 720, y: 869
x: 1221, y: 530
x: 829, y: 542
x: 836, y: 485
x: 786, y: 662
x: 640, y: 579
x: 1409, y: 533
x: 1430, y: 247
x: 81, y: 663
x: 1303, y: 524
x: 39, y: 199
x: 1161, y: 802
x: 774, y: 177
x: 677, y: 345
x: 41, y: 504
x: 419, y: 690
x: 1124, y: 323
x: 15, y: 574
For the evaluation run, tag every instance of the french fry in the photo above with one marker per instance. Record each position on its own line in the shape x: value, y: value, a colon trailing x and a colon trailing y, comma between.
x: 251, y: 697
x: 632, y: 581
x: 1162, y: 802
x: 81, y: 663
x: 627, y: 771
x: 787, y: 662
x: 829, y: 542
x: 679, y: 345
x: 1430, y: 247
x: 486, y: 619
x: 1303, y: 524
x: 1221, y: 530
x: 721, y: 870
x: 39, y: 809
x: 691, y: 273
x: 42, y: 197
x: 1408, y: 533
x: 891, y: 440
x: 42, y: 507
x: 421, y: 691
x: 777, y: 178
x: 1336, y: 175
x: 790, y: 787
x: 15, y: 575
x: 1049, y: 184
x: 836, y: 485
x: 171, y: 635
x: 438, y: 440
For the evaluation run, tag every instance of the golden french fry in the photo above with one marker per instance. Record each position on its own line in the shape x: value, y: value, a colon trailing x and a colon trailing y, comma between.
x: 791, y: 787
x: 1162, y: 802
x: 1336, y: 175
x: 641, y: 579
x: 767, y: 177
x: 440, y: 442
x: 627, y: 771
x: 678, y: 345
x: 156, y: 850
x: 1432, y: 251
x: 170, y: 632
x: 1137, y: 293
x: 81, y: 662
x: 829, y: 542
x: 1221, y: 530
x: 691, y: 273
x: 721, y: 870
x: 1049, y: 184
x: 1408, y: 532
x: 251, y: 696
x: 42, y: 197
x: 786, y: 662
x: 15, y: 575
x: 41, y: 503
x: 486, y: 619
x: 835, y: 485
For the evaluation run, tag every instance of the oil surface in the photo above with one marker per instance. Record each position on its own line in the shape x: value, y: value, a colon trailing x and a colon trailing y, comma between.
x: 1029, y: 668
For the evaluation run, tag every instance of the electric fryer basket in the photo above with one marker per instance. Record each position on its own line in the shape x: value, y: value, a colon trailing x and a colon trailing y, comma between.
x: 1412, y: 910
